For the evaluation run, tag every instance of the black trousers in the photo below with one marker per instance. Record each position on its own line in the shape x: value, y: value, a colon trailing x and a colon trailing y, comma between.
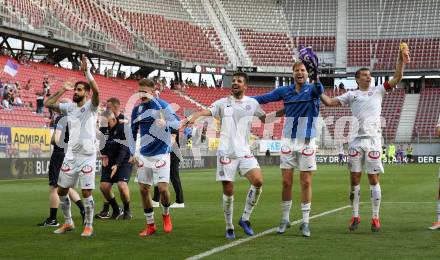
x: 175, y: 181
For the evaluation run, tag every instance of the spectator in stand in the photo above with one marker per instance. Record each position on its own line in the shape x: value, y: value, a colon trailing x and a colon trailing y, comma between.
x: 28, y: 85
x: 40, y: 102
x: 18, y: 101
x: 46, y: 86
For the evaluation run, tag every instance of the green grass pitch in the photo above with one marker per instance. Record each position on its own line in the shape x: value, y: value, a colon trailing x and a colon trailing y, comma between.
x: 409, y: 195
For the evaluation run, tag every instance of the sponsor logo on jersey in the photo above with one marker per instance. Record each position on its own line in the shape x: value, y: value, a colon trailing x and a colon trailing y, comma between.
x: 308, y: 151
x: 225, y: 160
x: 87, y: 169
x: 65, y: 167
x: 160, y: 164
x: 374, y: 154
x: 353, y: 152
x: 285, y: 149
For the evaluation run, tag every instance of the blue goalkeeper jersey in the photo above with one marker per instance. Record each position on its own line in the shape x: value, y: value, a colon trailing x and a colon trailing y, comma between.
x: 301, y: 109
x: 155, y: 140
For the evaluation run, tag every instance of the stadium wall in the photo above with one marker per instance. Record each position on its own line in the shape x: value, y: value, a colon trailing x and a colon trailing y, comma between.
x: 31, y: 168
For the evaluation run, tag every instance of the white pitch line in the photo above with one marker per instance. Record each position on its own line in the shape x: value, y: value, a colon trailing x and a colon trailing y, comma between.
x: 244, y: 240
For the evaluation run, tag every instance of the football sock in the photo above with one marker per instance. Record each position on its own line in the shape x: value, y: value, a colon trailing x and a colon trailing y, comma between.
x: 126, y: 206
x: 438, y: 210
x: 285, y: 206
x: 165, y: 209
x: 80, y: 205
x: 355, y: 196
x: 53, y: 213
x: 251, y: 200
x: 114, y: 204
x: 65, y: 207
x: 305, y: 208
x: 106, y: 207
x: 375, y: 199
x: 89, y: 206
x: 228, y: 209
x: 149, y: 215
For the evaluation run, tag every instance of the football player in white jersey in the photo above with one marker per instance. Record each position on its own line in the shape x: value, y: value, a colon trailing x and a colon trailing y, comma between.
x: 233, y: 154
x: 80, y: 159
x: 365, y: 143
x: 436, y: 225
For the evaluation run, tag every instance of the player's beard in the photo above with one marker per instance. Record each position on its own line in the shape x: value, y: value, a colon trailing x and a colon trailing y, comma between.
x: 77, y: 99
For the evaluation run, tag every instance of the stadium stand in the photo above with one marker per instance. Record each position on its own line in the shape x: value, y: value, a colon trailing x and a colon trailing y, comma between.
x: 374, y: 35
x: 427, y: 115
x: 265, y: 35
x: 109, y: 87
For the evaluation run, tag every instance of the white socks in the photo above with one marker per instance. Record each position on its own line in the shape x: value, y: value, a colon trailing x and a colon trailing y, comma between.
x: 228, y: 209
x: 438, y: 210
x: 251, y: 200
x: 89, y: 207
x: 286, y: 206
x: 305, y: 208
x: 355, y: 195
x: 375, y: 199
x: 65, y: 207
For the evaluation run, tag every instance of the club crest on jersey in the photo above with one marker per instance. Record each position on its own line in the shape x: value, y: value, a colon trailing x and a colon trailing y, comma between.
x: 248, y: 107
x: 308, y: 151
x: 87, y: 169
x: 353, y: 152
x: 374, y: 155
x: 65, y: 167
x: 83, y: 109
x: 225, y: 160
x: 370, y: 93
x: 160, y: 164
x: 285, y: 149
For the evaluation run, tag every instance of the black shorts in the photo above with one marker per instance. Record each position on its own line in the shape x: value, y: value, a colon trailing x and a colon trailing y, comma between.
x: 56, y: 160
x: 123, y: 174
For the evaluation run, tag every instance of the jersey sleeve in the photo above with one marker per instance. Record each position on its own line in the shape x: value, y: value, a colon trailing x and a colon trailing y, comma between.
x: 215, y: 108
x: 382, y: 89
x: 274, y: 95
x: 259, y: 112
x: 65, y: 107
x: 345, y: 99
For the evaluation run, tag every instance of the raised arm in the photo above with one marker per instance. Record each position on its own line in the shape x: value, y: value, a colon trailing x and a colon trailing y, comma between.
x: 192, y: 118
x: 330, y: 102
x: 92, y: 82
x: 402, y: 59
x: 272, y: 96
x: 51, y: 102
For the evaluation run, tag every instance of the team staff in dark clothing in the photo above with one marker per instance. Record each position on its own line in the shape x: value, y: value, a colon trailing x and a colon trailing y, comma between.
x: 174, y: 175
x: 115, y: 166
x: 114, y: 105
x: 56, y: 160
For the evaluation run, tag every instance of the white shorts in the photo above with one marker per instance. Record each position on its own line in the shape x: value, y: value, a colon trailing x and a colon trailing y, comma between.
x: 227, y: 167
x: 365, y: 154
x: 82, y: 167
x: 153, y: 169
x: 297, y: 154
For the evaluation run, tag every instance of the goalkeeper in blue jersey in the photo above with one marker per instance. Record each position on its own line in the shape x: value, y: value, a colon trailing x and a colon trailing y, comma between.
x: 301, y: 107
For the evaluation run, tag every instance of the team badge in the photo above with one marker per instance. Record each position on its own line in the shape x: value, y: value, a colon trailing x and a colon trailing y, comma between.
x: 248, y: 107
x: 370, y: 93
x: 83, y: 109
x: 65, y: 167
x: 160, y: 164
x: 285, y: 149
x: 87, y: 169
x: 353, y: 152
x: 225, y: 160
x: 308, y: 151
x: 374, y: 155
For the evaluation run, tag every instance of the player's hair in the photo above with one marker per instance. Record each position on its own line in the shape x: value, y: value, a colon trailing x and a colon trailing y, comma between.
x: 242, y: 74
x: 108, y: 114
x: 297, y: 63
x: 115, y: 101
x: 146, y: 83
x: 85, y: 84
x: 358, y: 72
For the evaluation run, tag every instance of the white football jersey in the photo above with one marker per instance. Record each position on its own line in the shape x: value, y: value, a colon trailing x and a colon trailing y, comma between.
x: 236, y: 118
x: 366, y: 107
x: 82, y: 128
